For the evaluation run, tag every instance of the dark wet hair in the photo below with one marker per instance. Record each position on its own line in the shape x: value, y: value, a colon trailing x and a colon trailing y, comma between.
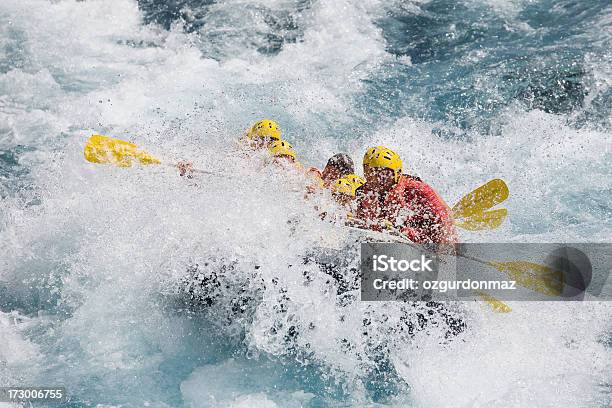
x: 343, y: 162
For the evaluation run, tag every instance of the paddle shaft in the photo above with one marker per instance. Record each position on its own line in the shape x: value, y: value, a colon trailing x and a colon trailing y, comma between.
x: 194, y: 170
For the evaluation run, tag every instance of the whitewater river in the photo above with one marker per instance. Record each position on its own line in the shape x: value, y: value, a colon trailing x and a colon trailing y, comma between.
x: 94, y: 259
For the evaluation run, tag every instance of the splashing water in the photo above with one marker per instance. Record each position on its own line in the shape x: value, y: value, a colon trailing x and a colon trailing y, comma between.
x: 96, y: 262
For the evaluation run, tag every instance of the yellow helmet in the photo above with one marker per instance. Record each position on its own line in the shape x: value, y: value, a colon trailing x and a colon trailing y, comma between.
x: 356, y: 180
x: 343, y: 186
x: 381, y: 156
x: 280, y: 148
x: 347, y: 185
x: 265, y: 128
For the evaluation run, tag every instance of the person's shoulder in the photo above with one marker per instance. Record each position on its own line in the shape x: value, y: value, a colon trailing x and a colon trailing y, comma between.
x: 409, y: 182
x: 414, y: 185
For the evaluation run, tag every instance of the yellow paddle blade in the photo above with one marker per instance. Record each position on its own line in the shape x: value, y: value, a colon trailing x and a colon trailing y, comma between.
x: 106, y: 150
x: 481, y: 199
x: 497, y: 305
x: 539, y: 278
x: 487, y: 220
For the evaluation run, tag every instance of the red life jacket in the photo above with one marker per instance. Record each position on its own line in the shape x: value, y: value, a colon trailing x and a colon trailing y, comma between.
x: 413, y: 208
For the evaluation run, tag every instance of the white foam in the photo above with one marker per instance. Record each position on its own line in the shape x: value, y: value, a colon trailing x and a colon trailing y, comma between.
x: 17, y: 354
x: 116, y: 240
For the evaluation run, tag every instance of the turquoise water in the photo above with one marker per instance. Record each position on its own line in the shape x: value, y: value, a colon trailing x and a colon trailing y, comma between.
x: 92, y: 258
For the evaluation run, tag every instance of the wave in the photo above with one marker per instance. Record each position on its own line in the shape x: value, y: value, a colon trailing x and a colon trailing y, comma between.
x: 93, y: 257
